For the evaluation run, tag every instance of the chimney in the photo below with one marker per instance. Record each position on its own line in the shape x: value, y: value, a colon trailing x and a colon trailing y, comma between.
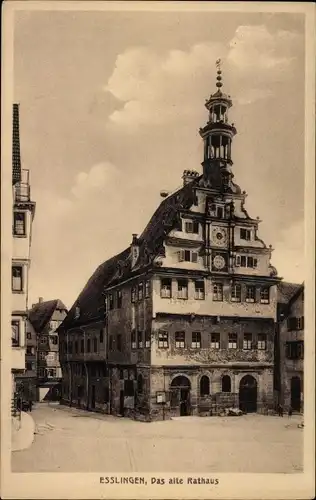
x: 189, y: 176
x: 40, y: 300
x: 134, y: 249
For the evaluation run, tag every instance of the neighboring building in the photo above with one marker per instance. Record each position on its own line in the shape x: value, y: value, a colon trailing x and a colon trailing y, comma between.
x: 181, y: 322
x: 45, y: 317
x: 28, y: 380
x: 290, y: 342
x: 23, y: 215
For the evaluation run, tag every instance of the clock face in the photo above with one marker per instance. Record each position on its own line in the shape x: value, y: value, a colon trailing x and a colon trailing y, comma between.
x: 219, y: 236
x: 219, y: 262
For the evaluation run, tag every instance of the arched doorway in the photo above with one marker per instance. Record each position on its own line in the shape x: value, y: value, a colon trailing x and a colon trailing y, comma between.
x: 180, y: 389
x: 248, y: 394
x: 296, y: 393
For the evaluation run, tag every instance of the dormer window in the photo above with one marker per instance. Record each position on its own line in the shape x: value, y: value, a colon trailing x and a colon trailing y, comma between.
x: 191, y: 227
x: 245, y: 234
x: 188, y: 256
x: 77, y: 312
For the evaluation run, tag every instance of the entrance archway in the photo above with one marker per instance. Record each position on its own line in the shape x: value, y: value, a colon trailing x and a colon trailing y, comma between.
x: 296, y: 393
x: 248, y: 394
x: 180, y: 389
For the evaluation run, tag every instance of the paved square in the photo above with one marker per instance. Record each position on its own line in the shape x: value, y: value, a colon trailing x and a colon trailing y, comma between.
x: 70, y: 440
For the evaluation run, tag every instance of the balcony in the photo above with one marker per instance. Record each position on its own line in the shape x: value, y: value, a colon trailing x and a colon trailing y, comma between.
x: 22, y: 189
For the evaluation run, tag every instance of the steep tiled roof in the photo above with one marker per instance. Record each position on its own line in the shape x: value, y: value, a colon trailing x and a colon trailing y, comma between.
x: 16, y: 157
x: 91, y: 299
x: 286, y: 291
x: 41, y: 313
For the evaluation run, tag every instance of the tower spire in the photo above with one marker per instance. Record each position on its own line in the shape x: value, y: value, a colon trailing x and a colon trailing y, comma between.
x: 217, y: 135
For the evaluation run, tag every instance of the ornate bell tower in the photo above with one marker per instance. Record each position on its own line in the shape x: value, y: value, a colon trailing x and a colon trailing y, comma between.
x: 217, y: 136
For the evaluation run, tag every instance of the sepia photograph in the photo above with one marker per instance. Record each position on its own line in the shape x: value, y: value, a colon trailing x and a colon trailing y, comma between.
x: 155, y: 172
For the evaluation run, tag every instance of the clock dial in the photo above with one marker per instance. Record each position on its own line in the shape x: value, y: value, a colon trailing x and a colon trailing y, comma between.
x: 219, y: 262
x: 219, y: 236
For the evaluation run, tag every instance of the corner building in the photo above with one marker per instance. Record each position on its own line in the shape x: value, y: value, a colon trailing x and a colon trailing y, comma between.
x: 182, y: 322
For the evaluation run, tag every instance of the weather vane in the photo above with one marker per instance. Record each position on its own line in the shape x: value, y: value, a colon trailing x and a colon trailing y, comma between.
x: 218, y: 64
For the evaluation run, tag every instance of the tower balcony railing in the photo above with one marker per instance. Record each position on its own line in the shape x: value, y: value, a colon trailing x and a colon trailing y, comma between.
x: 22, y: 189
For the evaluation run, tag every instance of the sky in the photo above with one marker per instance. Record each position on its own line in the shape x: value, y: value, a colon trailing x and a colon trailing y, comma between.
x: 110, y: 108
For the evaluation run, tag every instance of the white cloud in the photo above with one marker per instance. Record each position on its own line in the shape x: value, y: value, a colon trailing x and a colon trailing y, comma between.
x: 100, y: 177
x: 154, y: 87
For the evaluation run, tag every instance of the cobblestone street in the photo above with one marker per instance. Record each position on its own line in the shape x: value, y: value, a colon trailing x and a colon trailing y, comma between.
x: 71, y: 440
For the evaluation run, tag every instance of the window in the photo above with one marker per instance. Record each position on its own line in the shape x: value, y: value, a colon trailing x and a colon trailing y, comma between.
x: 42, y: 355
x: 212, y: 210
x: 133, y: 294
x: 264, y: 295
x: 19, y: 224
x: 101, y: 336
x: 30, y: 351
x: 165, y: 291
x: 140, y: 339
x: 140, y: 290
x: 262, y: 342
x: 294, y: 350
x: 15, y: 333
x: 220, y: 212
x: 245, y: 234
x: 196, y: 340
x: 51, y: 372
x: 111, y: 301
x: 247, y: 345
x: 250, y: 294
x: 245, y: 261
x: 215, y: 340
x: 182, y: 289
x: 147, y: 289
x: 294, y: 323
x: 133, y: 339
x: 89, y: 345
x: 236, y: 293
x: 226, y: 383
x: 95, y: 344
x: 30, y: 366
x: 204, y: 386
x: 54, y: 339
x: 300, y: 323
x: 111, y: 342
x: 17, y: 278
x: 232, y: 341
x: 191, y: 227
x: 119, y: 342
x: 218, y: 292
x: 147, y: 338
x: 70, y: 347
x: 77, y: 312
x: 140, y: 383
x: 119, y: 298
x: 76, y: 347
x: 163, y: 340
x: 188, y: 256
x: 43, y: 340
x: 180, y: 339
x: 81, y: 345
x: 199, y: 293
x: 29, y: 335
x: 41, y: 372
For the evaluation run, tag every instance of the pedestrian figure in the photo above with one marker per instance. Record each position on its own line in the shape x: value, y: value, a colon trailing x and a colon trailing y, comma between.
x: 290, y: 412
x: 30, y: 404
x: 281, y: 411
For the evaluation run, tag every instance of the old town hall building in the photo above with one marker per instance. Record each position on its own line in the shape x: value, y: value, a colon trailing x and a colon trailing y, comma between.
x: 182, y: 321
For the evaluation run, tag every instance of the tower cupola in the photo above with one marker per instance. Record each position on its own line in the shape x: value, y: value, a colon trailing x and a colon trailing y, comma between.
x: 217, y: 136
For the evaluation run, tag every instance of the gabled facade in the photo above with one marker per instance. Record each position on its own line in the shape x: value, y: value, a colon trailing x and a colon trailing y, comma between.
x: 291, y: 345
x: 45, y: 317
x: 187, y: 313
x: 22, y: 220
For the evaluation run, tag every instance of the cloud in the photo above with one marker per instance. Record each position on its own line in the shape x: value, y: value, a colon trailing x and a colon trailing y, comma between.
x: 154, y: 87
x: 100, y: 176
